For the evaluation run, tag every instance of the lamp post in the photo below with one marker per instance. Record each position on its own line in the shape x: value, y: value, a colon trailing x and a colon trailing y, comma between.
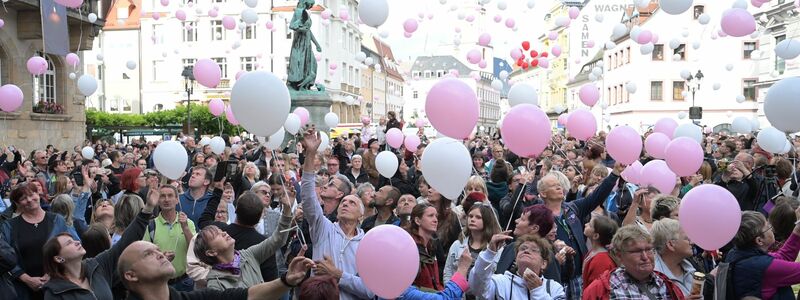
x: 693, y: 82
x: 188, y: 82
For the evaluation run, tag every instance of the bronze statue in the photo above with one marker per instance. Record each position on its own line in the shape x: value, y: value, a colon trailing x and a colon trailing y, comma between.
x: 302, y: 63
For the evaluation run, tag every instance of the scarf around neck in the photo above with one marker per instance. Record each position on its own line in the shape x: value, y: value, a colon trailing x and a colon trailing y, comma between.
x: 231, y: 267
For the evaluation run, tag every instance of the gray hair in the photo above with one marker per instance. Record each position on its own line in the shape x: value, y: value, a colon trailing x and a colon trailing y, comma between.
x: 627, y: 234
x: 257, y: 185
x: 362, y: 188
x: 252, y: 164
x: 562, y: 180
x: 752, y: 227
x: 663, y: 231
x: 347, y: 187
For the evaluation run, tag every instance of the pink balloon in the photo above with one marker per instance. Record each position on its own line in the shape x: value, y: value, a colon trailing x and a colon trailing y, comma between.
x: 164, y: 2
x: 387, y: 278
x: 756, y: 3
x: 482, y: 65
x: 269, y: 24
x: 510, y: 23
x: 590, y: 43
x: 213, y: 13
x: 657, y: 174
x: 365, y: 120
x: 526, y: 130
x: 666, y: 126
x: 738, y: 22
x: 498, y: 18
x: 240, y: 73
x: 420, y: 123
x: 73, y: 59
x: 470, y: 18
x: 633, y: 173
x: 207, y: 73
x: 37, y: 65
x: 11, y: 98
x: 407, y: 34
x: 552, y: 35
x: 516, y: 54
x: 589, y: 94
x: 326, y: 14
x: 556, y: 50
x: 410, y: 25
x: 228, y: 22
x: 710, y: 233
x: 394, y: 137
x: 684, y: 156
x: 573, y: 12
x: 180, y: 15
x: 656, y: 145
x: 302, y: 112
x: 344, y: 14
x: 156, y: 16
x: 231, y: 118
x: 562, y: 119
x: 216, y: 107
x: 624, y: 144
x: 411, y: 142
x: 474, y: 56
x: 543, y: 62
x: 485, y: 39
x: 70, y: 3
x: 333, y: 66
x: 581, y: 124
x: 452, y: 108
x: 645, y: 36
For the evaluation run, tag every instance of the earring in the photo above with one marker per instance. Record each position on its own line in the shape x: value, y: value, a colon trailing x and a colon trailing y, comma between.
x: 60, y: 259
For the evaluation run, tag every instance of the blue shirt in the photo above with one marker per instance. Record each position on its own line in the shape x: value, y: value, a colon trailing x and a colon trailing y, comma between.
x: 191, y: 207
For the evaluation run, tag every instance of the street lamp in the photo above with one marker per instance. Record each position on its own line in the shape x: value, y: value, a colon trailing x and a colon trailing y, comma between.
x: 693, y: 82
x: 188, y: 82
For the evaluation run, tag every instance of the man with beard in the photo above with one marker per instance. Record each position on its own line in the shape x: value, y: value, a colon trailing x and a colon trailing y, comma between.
x: 385, y: 202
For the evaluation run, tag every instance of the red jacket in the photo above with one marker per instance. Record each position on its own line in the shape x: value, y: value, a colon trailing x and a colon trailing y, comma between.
x: 600, y: 288
x: 596, y: 266
x: 428, y: 276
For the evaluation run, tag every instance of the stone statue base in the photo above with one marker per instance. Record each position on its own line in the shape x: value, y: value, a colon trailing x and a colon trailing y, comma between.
x: 318, y: 104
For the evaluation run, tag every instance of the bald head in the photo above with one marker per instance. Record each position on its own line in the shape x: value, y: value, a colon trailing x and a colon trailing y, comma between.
x: 142, y: 262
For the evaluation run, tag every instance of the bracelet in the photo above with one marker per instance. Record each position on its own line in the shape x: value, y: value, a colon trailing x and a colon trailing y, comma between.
x: 286, y: 283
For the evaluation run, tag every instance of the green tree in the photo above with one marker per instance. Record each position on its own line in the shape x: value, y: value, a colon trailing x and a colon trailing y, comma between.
x: 202, y: 119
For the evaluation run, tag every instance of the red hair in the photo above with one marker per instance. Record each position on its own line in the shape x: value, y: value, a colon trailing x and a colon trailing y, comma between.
x: 129, y: 180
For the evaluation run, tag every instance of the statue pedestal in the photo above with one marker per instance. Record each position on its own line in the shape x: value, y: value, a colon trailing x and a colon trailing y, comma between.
x: 317, y: 103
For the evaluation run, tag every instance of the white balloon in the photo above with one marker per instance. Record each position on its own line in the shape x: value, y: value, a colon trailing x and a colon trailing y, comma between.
x: 704, y: 18
x: 251, y: 3
x: 741, y: 125
x: 373, y: 12
x: 717, y: 85
x: 610, y: 45
x: 729, y: 67
x: 522, y: 93
x: 324, y: 141
x: 130, y: 65
x: 217, y: 145
x: 276, y: 139
x: 447, y: 166
x: 782, y: 105
x: 689, y: 130
x: 674, y: 44
x: 100, y: 56
x: 87, y: 85
x: 369, y: 61
x: 258, y: 114
x: 696, y: 45
x: 675, y: 7
x: 756, y: 124
x: 170, y: 159
x: 619, y: 31
x: 635, y: 31
x: 740, y: 4
x: 685, y: 33
x: 361, y: 56
x: 497, y: 84
x: 646, y: 48
x: 249, y: 16
x: 292, y: 123
x: 786, y: 148
x: 87, y: 152
x: 598, y: 18
x: 685, y: 74
x: 386, y: 163
x: 92, y: 17
x: 597, y: 71
x: 771, y: 139
x: 503, y: 75
x: 788, y: 49
x: 531, y: 4
x: 332, y: 120
x: 631, y: 87
x: 205, y: 141
x: 740, y: 99
x: 682, y: 115
x: 501, y: 5
x: 72, y: 76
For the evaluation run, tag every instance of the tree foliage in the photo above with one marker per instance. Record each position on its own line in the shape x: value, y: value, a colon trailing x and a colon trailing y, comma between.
x: 202, y: 120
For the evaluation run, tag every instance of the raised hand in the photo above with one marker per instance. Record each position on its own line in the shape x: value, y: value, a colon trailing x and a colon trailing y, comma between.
x: 311, y: 140
x: 152, y: 199
x: 297, y: 269
x: 499, y: 239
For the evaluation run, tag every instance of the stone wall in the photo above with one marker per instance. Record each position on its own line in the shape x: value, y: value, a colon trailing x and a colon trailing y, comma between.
x: 25, y: 129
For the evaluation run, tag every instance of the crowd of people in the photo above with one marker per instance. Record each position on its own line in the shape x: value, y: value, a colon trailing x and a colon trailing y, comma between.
x: 287, y: 223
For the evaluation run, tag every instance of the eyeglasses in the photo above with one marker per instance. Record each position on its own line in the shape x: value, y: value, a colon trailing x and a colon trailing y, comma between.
x: 220, y: 212
x: 769, y: 228
x: 646, y: 251
x: 263, y: 192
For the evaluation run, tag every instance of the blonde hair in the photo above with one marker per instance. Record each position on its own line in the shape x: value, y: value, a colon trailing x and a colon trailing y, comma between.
x: 663, y: 206
x: 63, y: 205
x: 477, y: 181
x: 126, y: 209
x: 627, y: 234
x: 663, y: 231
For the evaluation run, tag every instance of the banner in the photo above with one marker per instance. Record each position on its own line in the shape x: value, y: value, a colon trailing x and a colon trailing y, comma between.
x: 54, y: 28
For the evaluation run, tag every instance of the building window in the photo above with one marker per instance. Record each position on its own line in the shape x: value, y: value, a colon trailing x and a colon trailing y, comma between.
x: 628, y: 55
x: 158, y: 37
x: 45, y: 85
x: 681, y: 50
x: 415, y: 94
x: 249, y: 32
x: 749, y: 89
x: 439, y: 73
x: 188, y: 62
x: 658, y: 52
x: 677, y: 90
x: 159, y: 69
x: 189, y: 31
x: 223, y: 65
x: 248, y: 63
x: 427, y: 74
x: 780, y: 63
x: 748, y: 49
x: 217, y: 31
x: 698, y: 10
x: 657, y: 90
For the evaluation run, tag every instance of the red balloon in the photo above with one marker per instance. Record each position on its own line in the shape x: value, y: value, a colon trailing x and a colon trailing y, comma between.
x: 544, y: 54
x: 534, y: 63
x: 525, y: 65
x: 520, y: 61
x: 534, y: 53
x: 526, y: 45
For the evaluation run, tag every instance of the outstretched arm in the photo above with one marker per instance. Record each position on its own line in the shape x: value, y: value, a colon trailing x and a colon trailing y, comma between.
x: 314, y: 40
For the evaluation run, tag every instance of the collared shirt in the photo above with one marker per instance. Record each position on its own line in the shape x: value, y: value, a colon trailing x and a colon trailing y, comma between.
x: 684, y: 282
x: 623, y: 287
x: 169, y: 237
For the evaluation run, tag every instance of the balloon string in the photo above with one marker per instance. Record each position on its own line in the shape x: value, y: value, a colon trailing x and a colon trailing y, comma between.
x: 522, y: 191
x: 80, y: 36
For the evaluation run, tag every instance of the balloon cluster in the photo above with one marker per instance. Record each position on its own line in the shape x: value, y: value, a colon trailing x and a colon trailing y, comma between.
x: 536, y: 59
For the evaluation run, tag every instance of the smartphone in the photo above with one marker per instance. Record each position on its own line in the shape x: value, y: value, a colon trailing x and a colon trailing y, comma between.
x: 11, y: 148
x: 78, y: 177
x: 222, y: 168
x: 231, y: 170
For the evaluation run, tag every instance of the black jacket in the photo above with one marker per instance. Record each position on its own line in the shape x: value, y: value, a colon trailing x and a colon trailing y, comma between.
x: 362, y: 177
x: 8, y: 260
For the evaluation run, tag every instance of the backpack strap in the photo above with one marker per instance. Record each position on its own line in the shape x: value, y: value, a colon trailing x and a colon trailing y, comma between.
x: 547, y: 286
x: 151, y: 230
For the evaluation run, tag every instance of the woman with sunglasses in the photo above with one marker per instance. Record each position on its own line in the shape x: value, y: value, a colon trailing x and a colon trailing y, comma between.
x: 73, y: 277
